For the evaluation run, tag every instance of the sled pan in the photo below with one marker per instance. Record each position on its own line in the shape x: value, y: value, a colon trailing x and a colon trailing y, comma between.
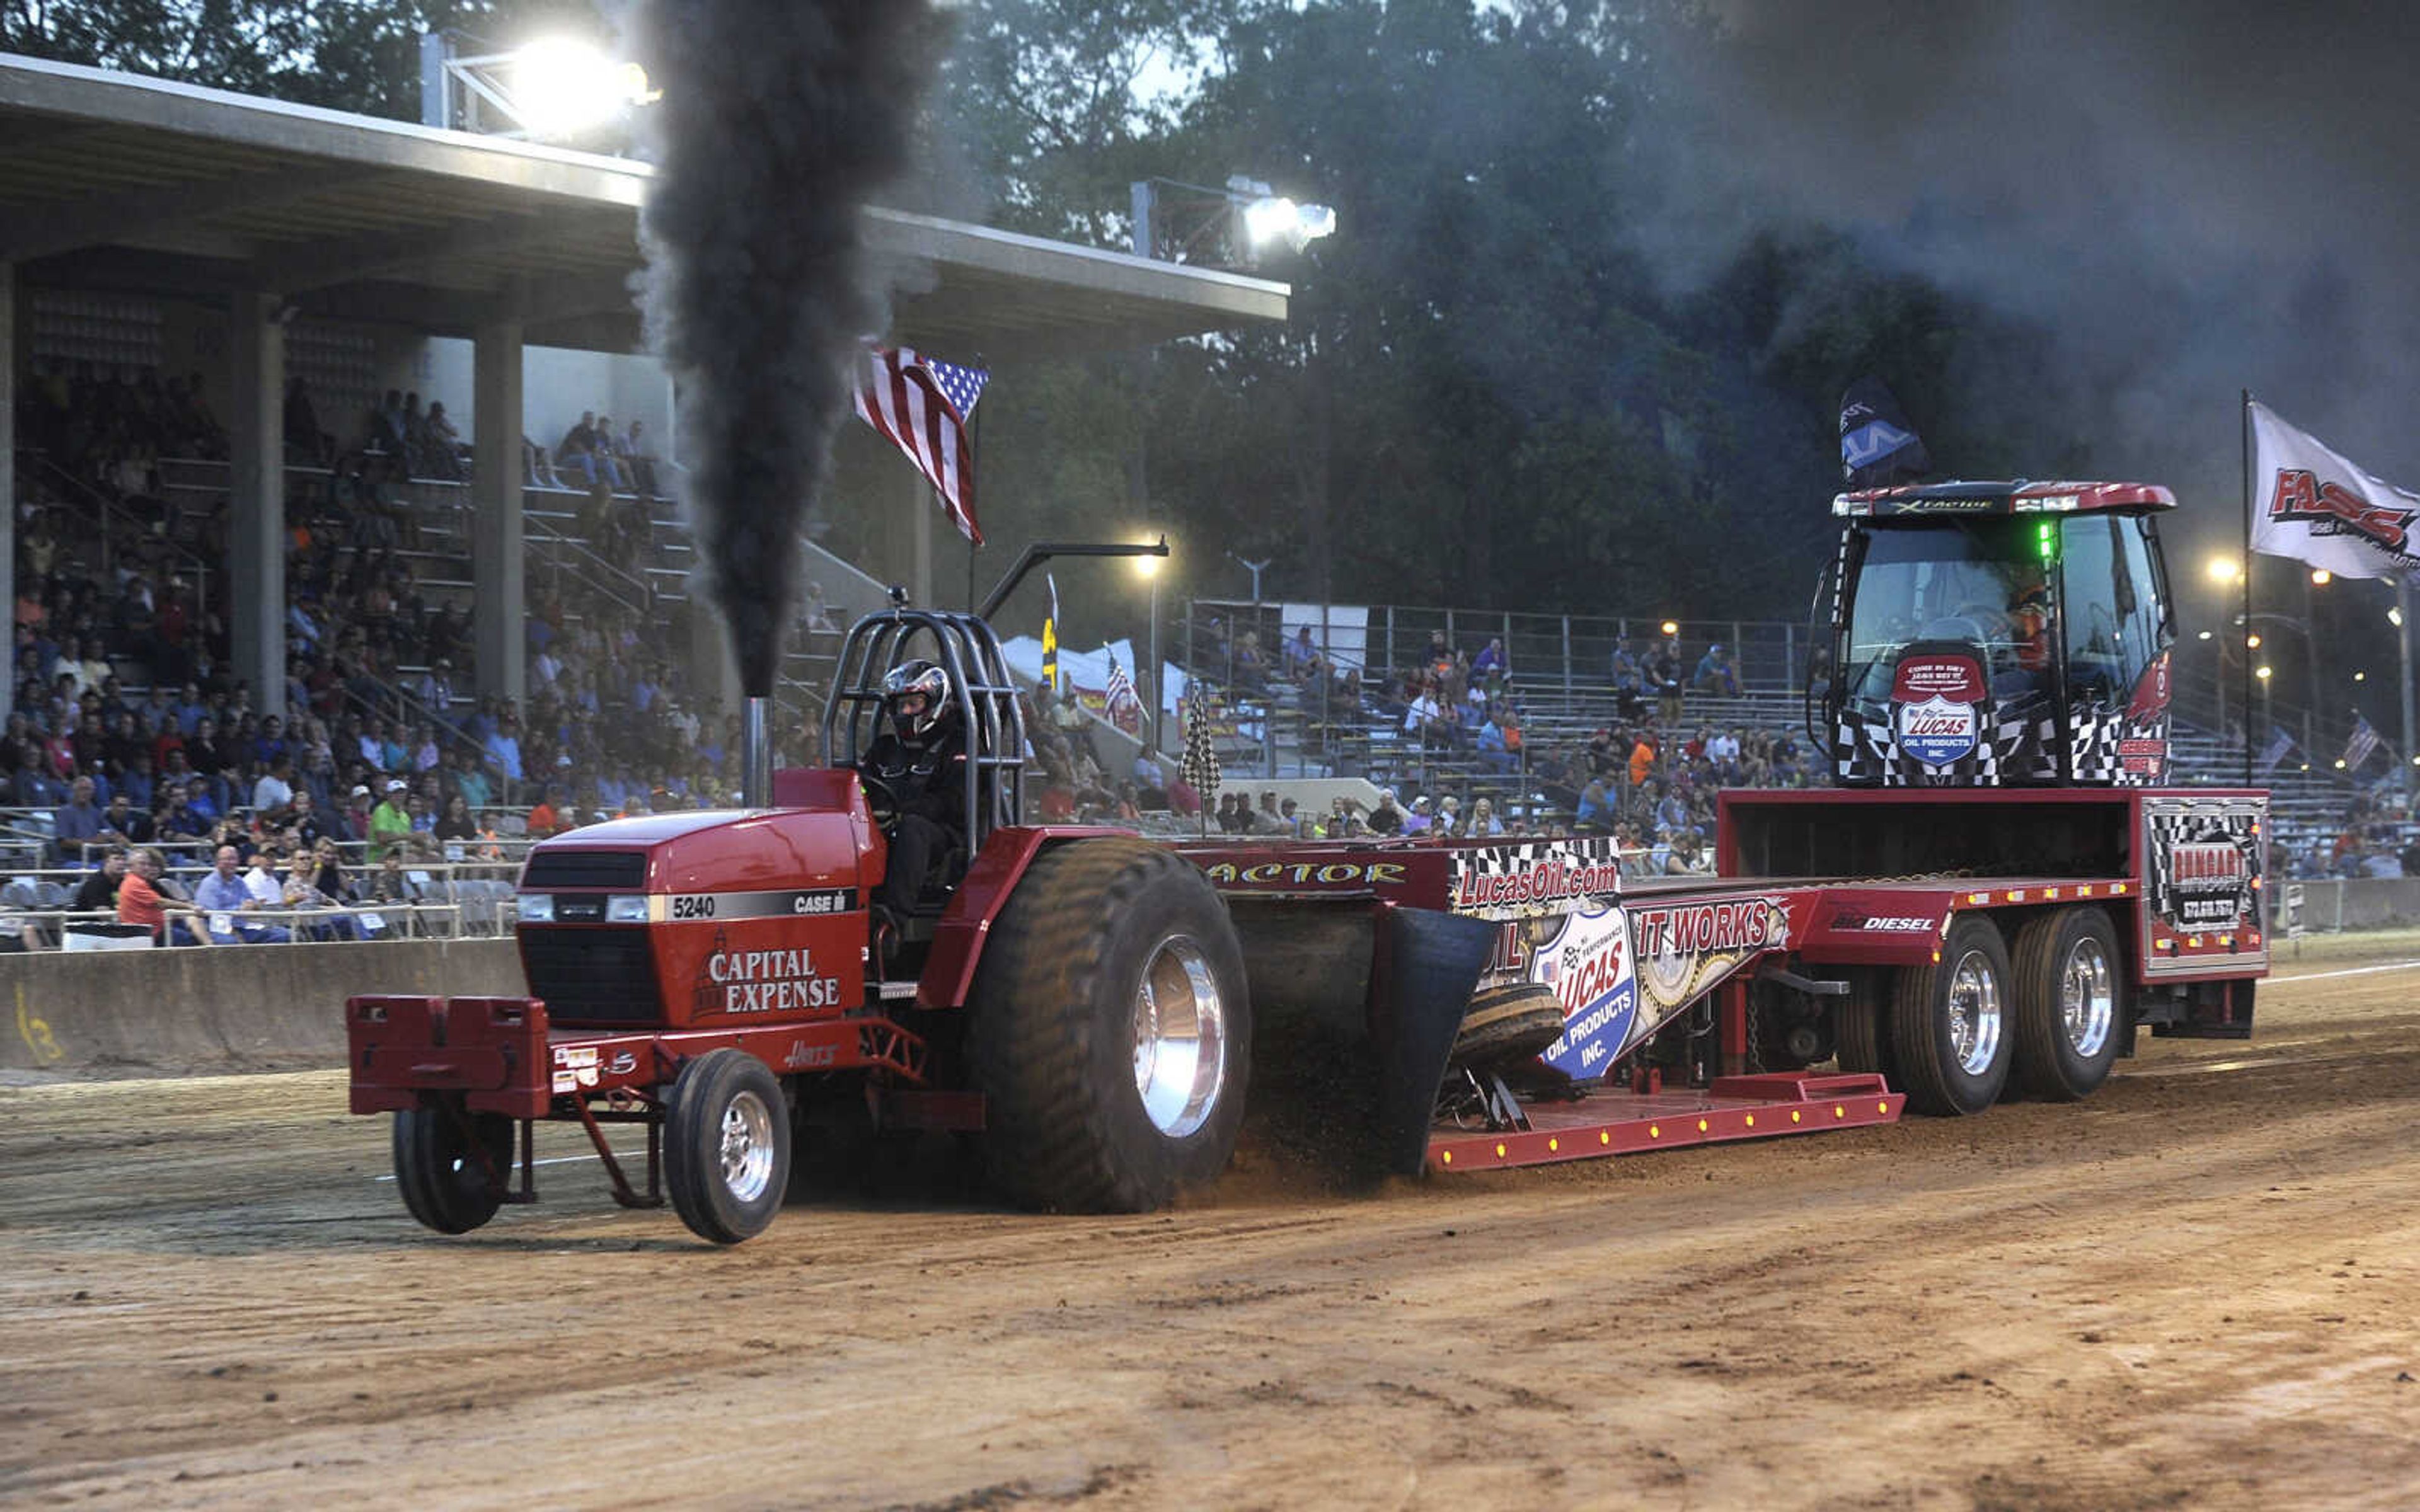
x: 1356, y: 1004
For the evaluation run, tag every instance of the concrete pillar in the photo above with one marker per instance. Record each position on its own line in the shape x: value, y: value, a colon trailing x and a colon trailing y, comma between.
x: 256, y: 503
x: 9, y: 361
x: 498, y: 570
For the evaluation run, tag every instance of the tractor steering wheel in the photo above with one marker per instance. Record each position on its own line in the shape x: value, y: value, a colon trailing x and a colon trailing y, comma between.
x: 1993, y: 619
x: 879, y: 799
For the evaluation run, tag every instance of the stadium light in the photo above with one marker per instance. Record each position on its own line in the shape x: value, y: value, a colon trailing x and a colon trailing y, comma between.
x: 2395, y: 616
x: 2205, y: 635
x: 552, y: 87
x: 2261, y: 672
x: 2225, y: 569
x: 1232, y: 227
x: 2252, y: 641
x: 2361, y: 677
x: 1671, y: 628
x: 562, y: 87
x: 2323, y: 577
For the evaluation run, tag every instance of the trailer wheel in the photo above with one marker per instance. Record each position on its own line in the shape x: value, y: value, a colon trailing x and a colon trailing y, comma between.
x: 2070, y: 1002
x: 1949, y: 1023
x: 1861, y: 1023
x: 727, y: 1146
x: 1110, y: 1030
x: 1514, y: 1021
x: 437, y: 1169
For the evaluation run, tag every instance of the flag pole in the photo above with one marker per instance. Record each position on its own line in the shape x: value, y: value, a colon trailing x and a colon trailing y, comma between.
x: 974, y: 468
x: 2243, y: 637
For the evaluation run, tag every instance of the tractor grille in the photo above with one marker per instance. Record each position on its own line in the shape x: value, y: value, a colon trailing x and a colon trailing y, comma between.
x: 592, y: 975
x: 585, y: 869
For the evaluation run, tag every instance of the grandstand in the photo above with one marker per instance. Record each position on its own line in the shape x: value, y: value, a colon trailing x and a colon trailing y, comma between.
x: 403, y: 593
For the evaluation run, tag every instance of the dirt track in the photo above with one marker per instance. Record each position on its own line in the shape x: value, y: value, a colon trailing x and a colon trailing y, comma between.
x: 2200, y: 1289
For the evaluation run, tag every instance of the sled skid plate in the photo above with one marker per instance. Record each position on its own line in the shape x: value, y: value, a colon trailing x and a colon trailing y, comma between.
x: 1612, y: 1123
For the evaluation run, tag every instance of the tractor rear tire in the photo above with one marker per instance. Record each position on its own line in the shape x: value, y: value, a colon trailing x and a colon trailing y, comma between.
x: 2070, y: 1004
x: 1861, y: 1033
x: 1511, y: 1022
x: 1949, y: 1023
x: 437, y: 1169
x: 1110, y: 1030
x: 727, y: 1146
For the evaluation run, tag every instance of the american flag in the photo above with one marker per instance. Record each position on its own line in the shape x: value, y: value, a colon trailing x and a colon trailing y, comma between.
x: 1122, y: 689
x: 2364, y: 741
x: 923, y: 406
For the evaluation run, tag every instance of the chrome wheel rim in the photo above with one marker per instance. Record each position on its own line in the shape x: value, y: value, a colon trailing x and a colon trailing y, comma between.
x: 2087, y: 998
x: 1975, y: 1012
x: 1180, y: 1039
x: 747, y: 1147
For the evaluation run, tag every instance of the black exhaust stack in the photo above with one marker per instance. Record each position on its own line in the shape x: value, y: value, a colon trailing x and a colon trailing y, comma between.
x: 755, y: 753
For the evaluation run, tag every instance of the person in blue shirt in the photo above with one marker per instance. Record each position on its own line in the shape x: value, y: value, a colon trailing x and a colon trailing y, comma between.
x: 223, y: 899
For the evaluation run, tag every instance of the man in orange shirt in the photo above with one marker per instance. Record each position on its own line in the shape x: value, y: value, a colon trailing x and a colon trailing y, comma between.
x: 141, y: 902
x: 1642, y: 760
x: 545, y: 820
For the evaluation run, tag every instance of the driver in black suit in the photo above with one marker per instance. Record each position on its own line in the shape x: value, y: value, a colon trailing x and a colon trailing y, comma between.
x: 922, y: 759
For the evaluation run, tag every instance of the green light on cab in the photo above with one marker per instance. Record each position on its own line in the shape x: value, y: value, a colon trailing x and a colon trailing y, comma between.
x: 2046, y: 539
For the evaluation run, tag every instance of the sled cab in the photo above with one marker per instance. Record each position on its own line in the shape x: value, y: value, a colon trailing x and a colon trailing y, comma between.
x: 1999, y: 635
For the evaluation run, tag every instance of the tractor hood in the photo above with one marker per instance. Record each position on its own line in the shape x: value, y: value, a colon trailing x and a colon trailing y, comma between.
x: 823, y: 840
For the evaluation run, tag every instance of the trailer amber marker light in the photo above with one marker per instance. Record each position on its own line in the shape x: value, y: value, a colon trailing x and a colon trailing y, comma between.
x: 1604, y: 1137
x: 1794, y: 1115
x: 1554, y: 1145
x: 2050, y: 893
x: 1882, y: 1107
x: 2083, y: 890
x: 2016, y: 895
x: 1751, y: 1120
x: 1655, y: 1131
x: 1701, y: 1126
x: 1978, y: 899
x: 1447, y: 1157
x: 2116, y: 887
x: 1499, y: 1152
x: 1839, y: 1112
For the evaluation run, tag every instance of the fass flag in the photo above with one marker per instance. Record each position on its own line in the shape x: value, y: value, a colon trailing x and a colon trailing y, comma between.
x: 2311, y: 505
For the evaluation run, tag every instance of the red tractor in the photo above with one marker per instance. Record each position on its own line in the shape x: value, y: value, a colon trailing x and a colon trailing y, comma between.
x: 1077, y: 997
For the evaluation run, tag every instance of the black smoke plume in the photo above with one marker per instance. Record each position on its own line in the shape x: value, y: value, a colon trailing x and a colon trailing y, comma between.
x: 777, y: 123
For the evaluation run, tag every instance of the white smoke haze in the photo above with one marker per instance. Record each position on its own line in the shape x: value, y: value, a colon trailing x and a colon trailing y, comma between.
x: 2189, y: 198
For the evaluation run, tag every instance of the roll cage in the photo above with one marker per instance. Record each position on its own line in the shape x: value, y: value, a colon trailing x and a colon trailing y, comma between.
x: 982, y: 689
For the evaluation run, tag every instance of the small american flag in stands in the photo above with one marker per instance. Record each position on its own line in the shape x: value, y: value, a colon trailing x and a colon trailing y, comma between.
x: 1121, y: 690
x: 923, y: 406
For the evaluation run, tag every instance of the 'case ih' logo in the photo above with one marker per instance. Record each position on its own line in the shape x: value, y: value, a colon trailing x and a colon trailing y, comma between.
x: 2331, y: 509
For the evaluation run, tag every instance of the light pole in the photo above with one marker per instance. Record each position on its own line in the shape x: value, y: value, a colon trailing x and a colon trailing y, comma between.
x: 2401, y: 615
x: 1149, y: 568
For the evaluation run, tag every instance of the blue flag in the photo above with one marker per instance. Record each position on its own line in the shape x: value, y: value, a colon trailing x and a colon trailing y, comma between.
x: 1878, y: 446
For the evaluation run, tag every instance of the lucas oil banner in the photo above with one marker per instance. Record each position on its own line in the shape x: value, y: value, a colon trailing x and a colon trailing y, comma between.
x: 1586, y: 959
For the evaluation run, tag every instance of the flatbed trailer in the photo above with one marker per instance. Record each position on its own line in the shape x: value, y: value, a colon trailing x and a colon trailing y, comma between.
x: 1695, y: 1007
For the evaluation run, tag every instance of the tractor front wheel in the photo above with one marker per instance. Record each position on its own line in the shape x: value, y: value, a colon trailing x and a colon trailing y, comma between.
x: 1110, y: 1031
x: 727, y: 1146
x: 451, y: 1165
